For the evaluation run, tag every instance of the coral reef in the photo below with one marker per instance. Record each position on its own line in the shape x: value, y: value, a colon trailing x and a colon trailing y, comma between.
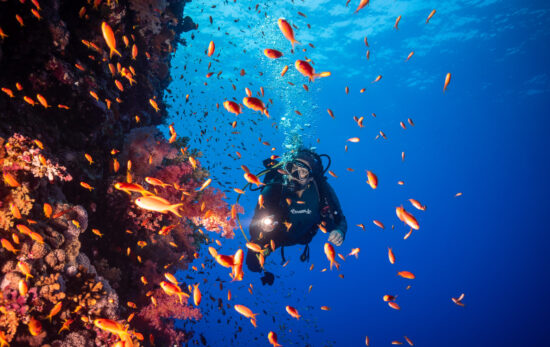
x: 75, y: 121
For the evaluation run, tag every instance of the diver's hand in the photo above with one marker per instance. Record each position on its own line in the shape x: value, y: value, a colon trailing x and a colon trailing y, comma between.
x: 336, y: 236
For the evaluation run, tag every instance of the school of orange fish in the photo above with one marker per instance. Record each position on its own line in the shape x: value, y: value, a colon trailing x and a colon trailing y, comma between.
x: 149, y: 201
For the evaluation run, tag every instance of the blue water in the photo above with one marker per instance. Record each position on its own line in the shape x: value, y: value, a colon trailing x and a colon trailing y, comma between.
x: 486, y: 137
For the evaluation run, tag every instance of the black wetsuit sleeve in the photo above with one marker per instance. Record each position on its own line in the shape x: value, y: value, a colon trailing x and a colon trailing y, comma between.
x: 334, y: 217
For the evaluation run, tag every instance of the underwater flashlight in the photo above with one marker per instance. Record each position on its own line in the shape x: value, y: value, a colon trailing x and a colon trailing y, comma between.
x: 268, y: 224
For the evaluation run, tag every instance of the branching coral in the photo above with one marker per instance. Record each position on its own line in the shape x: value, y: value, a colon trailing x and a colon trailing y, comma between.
x: 159, y: 319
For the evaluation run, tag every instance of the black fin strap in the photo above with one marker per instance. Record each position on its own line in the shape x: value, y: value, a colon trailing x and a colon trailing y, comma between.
x: 283, y: 260
x: 305, y: 253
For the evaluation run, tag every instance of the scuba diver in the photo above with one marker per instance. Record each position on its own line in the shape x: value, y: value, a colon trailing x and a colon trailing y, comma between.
x: 297, y: 201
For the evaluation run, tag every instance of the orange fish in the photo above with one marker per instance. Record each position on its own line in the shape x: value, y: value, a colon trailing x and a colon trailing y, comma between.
x: 22, y: 287
x: 232, y: 107
x: 134, y: 51
x: 211, y: 48
x: 447, y: 81
x: 261, y: 201
x: 430, y: 16
x: 2, y: 35
x: 393, y: 305
x: 111, y: 326
x: 25, y: 269
x: 378, y: 78
x: 254, y: 104
x: 388, y: 297
x: 293, y: 312
x: 15, y: 211
x: 8, y: 246
x: 42, y: 100
x: 307, y: 70
x: 196, y: 294
x: 19, y: 20
x: 287, y: 31
x: 355, y: 252
x: 109, y: 37
x: 154, y: 104
x: 272, y: 338
x: 245, y: 311
x: 272, y: 53
x: 7, y: 90
x: 157, y: 204
x: 458, y: 300
x: 378, y: 224
x: 205, y: 184
x: 353, y: 139
x: 285, y: 69
x: 417, y: 205
x: 10, y: 180
x: 330, y: 113
x: 89, y: 158
x: 329, y: 252
x: 372, y: 180
x: 173, y: 289
x: 362, y: 4
x: 397, y: 23
x: 55, y: 310
x: 391, y: 256
x: 410, y: 56
x: 66, y: 325
x: 367, y: 341
x: 408, y: 218
x: 131, y: 187
x: 35, y: 327
x: 254, y: 247
x: 253, y: 179
x: 406, y: 274
x: 408, y: 341
x: 86, y: 185
x: 156, y: 182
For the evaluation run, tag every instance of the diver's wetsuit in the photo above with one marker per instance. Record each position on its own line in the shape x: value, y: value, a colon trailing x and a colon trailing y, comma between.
x: 318, y: 203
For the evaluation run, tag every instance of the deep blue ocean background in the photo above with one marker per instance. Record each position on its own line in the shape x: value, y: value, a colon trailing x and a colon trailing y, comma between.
x: 486, y: 137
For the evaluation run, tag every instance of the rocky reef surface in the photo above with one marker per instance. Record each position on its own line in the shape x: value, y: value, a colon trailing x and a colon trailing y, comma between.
x: 80, y: 262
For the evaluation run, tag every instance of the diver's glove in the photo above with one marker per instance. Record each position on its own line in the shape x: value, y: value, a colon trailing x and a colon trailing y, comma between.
x: 336, y: 236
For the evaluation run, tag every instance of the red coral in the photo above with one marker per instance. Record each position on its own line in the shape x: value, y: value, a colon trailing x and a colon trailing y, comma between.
x: 160, y: 319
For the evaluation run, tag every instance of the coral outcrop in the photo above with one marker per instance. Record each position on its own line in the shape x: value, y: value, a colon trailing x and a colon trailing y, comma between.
x: 76, y: 120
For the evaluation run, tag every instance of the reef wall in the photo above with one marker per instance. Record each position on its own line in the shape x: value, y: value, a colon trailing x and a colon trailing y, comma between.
x: 80, y: 262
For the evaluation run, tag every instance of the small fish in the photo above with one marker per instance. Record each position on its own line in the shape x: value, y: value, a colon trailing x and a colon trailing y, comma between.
x: 196, y: 294
x: 447, y: 81
x: 353, y: 139
x: 205, y: 184
x: 378, y: 224
x: 109, y: 37
x: 285, y: 69
x: 362, y: 4
x: 157, y: 204
x: 245, y: 311
x: 287, y: 31
x: 406, y: 274
x: 86, y: 185
x: 393, y: 305
x: 89, y: 158
x: 272, y: 338
x: 35, y: 327
x: 293, y: 312
x: 396, y: 25
x: 232, y: 107
x: 409, y: 56
x: 355, y: 252
x: 66, y: 325
x: 378, y: 78
x: 55, y: 310
x: 8, y: 246
x: 15, y: 211
x: 391, y: 256
x: 329, y: 252
x: 154, y: 104
x: 211, y: 48
x: 10, y: 180
x: 25, y: 269
x: 272, y: 53
x: 97, y: 232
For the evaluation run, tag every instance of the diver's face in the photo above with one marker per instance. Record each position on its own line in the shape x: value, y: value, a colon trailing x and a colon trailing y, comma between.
x: 299, y: 173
